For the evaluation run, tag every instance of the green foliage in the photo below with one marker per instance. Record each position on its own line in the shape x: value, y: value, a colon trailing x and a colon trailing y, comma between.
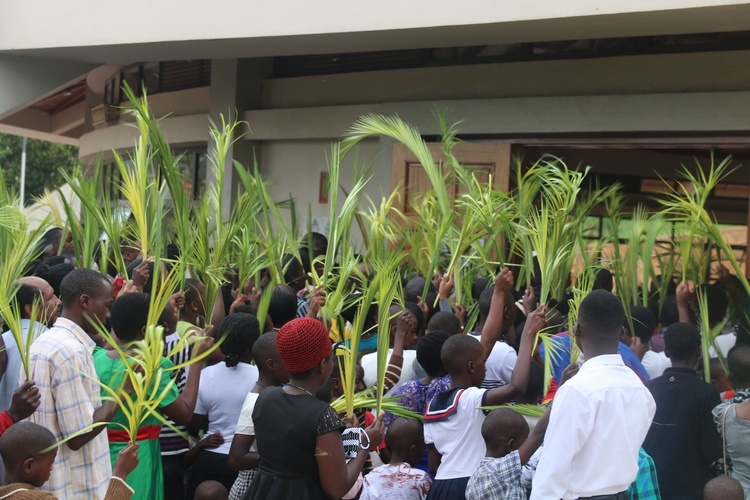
x: 46, y: 162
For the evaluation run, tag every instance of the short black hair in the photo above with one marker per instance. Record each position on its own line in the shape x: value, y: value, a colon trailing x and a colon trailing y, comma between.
x: 444, y: 321
x: 239, y: 332
x: 718, y: 302
x: 603, y: 280
x: 723, y: 488
x: 738, y: 364
x: 81, y: 281
x: 457, y: 351
x: 602, y: 314
x: 485, y: 302
x: 283, y: 305
x: 644, y: 323
x: 192, y: 290
x: 211, y: 489
x: 681, y: 341
x: 24, y: 440
x: 503, y: 424
x: 404, y: 433
x: 245, y: 309
x: 26, y: 295
x: 480, y: 285
x: 413, y: 308
x: 129, y: 315
x: 428, y: 352
x: 265, y: 348
x: 294, y: 268
x: 414, y: 289
x: 57, y: 274
x: 669, y: 313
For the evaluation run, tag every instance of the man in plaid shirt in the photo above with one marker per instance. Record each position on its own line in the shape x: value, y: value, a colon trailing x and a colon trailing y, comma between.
x: 60, y: 363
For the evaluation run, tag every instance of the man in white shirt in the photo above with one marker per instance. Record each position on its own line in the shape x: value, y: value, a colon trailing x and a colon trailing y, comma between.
x: 503, y: 357
x: 599, y: 418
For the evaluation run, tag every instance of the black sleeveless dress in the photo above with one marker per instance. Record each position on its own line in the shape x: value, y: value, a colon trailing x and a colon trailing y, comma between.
x: 286, y: 429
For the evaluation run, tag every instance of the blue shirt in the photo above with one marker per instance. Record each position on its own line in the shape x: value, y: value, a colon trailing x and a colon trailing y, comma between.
x: 563, y: 360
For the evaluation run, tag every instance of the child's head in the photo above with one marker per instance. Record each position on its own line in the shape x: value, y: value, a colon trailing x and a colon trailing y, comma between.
x: 428, y: 353
x: 504, y: 431
x: 682, y: 343
x: 405, y: 438
x: 129, y: 315
x: 238, y: 333
x: 195, y: 297
x: 738, y: 364
x: 23, y: 447
x: 211, y: 490
x: 444, y: 321
x: 719, y: 377
x: 464, y: 359
x: 411, y: 337
x: 337, y: 388
x: 283, y: 305
x: 723, y: 488
x: 644, y: 323
x: 268, y: 361
x: 414, y: 289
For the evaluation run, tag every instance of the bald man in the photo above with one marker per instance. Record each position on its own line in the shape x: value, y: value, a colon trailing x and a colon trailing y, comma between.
x: 32, y: 289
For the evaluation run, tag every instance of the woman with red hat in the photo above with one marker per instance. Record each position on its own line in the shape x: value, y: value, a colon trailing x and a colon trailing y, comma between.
x: 299, y: 436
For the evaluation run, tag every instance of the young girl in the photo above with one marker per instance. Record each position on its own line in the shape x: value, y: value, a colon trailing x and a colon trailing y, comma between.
x: 128, y: 318
x: 224, y: 387
x: 298, y: 435
x: 243, y: 455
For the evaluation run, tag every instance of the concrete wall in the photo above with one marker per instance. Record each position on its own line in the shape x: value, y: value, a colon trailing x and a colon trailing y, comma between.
x: 279, y: 27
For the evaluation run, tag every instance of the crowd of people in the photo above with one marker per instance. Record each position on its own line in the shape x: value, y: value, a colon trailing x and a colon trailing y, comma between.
x: 630, y: 417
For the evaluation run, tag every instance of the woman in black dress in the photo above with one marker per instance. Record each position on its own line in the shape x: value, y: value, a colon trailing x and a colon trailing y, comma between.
x: 299, y: 436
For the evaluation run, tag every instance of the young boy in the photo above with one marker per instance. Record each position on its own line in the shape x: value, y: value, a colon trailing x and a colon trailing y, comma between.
x: 452, y: 421
x: 243, y: 455
x: 509, y: 447
x: 399, y: 479
x: 28, y: 465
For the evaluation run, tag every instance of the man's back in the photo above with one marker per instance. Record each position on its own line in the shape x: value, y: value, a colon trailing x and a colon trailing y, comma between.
x: 683, y: 440
x: 60, y: 363
x: 598, y: 422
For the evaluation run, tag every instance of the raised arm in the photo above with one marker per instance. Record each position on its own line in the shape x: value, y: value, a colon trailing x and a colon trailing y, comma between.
x: 683, y: 297
x: 181, y: 409
x: 494, y: 324
x: 519, y: 380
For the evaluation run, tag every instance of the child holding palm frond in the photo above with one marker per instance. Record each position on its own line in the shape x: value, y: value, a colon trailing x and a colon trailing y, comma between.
x: 129, y: 315
x: 452, y: 420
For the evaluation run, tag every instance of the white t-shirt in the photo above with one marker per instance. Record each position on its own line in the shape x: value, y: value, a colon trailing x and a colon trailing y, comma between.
x: 724, y: 342
x: 399, y: 481
x: 245, y: 425
x: 370, y: 367
x: 597, y: 425
x: 458, y: 438
x: 499, y: 365
x: 222, y: 393
x: 655, y: 363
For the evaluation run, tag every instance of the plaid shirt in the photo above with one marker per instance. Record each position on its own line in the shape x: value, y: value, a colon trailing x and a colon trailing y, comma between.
x: 645, y: 486
x: 61, y: 364
x: 497, y: 479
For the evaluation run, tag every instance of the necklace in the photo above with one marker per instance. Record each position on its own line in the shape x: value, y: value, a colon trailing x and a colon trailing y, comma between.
x: 300, y: 389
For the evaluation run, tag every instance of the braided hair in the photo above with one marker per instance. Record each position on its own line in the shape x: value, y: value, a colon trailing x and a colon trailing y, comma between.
x: 238, y: 333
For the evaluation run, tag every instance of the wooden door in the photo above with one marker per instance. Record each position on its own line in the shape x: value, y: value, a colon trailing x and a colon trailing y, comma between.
x: 485, y: 158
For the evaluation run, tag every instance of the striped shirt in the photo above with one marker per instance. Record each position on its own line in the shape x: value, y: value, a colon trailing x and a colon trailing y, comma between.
x: 61, y: 364
x: 171, y: 442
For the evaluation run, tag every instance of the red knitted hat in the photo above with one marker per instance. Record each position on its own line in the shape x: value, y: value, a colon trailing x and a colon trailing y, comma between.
x: 302, y: 344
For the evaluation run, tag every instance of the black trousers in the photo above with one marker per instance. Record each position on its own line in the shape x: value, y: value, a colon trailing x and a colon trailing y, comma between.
x: 174, y: 477
x: 210, y: 466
